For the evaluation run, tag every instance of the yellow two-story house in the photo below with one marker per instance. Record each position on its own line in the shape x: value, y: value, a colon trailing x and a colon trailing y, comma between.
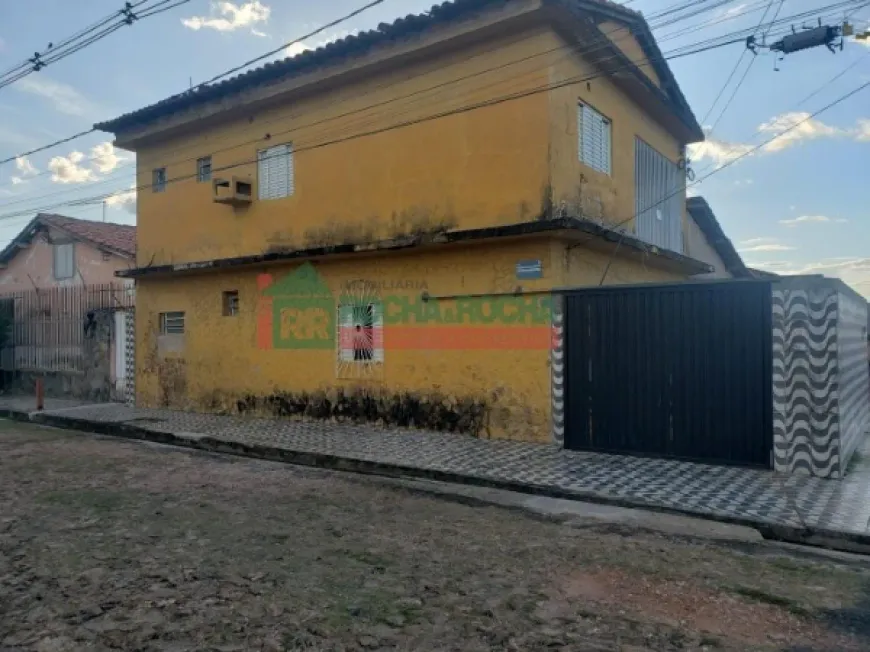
x: 372, y: 230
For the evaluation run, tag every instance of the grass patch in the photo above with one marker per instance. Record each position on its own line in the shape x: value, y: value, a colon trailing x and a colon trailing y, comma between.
x: 98, y: 500
x: 759, y: 595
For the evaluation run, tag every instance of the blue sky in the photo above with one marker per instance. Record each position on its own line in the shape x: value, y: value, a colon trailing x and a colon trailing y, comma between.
x: 798, y: 205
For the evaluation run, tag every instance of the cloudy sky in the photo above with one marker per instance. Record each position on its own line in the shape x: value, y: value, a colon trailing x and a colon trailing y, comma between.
x: 798, y: 204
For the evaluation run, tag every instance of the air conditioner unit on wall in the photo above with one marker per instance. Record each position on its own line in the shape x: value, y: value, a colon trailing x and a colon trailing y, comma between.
x: 233, y: 191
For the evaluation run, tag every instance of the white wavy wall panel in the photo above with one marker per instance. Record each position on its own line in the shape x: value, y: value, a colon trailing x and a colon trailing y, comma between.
x: 820, y: 391
x: 557, y: 370
x: 853, y: 371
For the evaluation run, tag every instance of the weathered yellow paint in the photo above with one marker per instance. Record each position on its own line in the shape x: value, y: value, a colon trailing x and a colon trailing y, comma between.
x: 475, y: 168
x: 578, y: 189
x: 372, y: 163
x: 585, y: 268
x: 497, y: 164
x: 623, y: 39
x: 222, y: 363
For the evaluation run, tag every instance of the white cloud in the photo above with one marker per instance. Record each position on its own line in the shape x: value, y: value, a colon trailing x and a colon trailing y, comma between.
x: 766, y: 247
x: 787, y: 129
x: 756, y: 241
x: 104, y: 158
x: 74, y: 168
x: 125, y: 200
x: 298, y: 48
x: 744, y: 182
x: 228, y: 17
x: 295, y: 49
x: 806, y: 219
x: 733, y: 11
x: 66, y: 169
x: 854, y: 271
x: 718, y: 151
x: 64, y: 97
x: 800, y: 127
x: 17, y: 180
x: 25, y: 167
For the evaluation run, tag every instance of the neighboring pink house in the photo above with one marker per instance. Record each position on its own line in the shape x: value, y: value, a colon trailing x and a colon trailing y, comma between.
x: 57, y: 251
x: 70, y: 315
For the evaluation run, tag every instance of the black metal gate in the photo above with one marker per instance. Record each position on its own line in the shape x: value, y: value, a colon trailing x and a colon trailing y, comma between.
x: 680, y: 370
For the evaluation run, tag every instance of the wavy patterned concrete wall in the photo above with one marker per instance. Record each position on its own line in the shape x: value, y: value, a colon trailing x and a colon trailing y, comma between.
x: 820, y: 375
x: 805, y: 420
x: 557, y: 370
x: 854, y: 373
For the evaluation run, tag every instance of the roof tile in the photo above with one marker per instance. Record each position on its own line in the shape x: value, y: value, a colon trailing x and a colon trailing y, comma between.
x: 118, y: 237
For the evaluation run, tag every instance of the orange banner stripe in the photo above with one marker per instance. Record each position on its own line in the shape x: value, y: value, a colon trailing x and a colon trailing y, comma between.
x: 456, y: 337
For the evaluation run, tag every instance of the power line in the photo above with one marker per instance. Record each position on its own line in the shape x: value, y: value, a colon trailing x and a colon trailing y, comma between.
x: 569, y: 47
x: 315, y: 32
x: 329, y: 25
x: 720, y: 44
x: 672, y: 55
x: 84, y: 38
x: 834, y: 78
x: 749, y: 152
x: 340, y: 139
x: 734, y: 69
x: 49, y: 146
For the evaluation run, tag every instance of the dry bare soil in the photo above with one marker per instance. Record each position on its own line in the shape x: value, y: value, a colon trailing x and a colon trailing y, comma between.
x: 114, y: 545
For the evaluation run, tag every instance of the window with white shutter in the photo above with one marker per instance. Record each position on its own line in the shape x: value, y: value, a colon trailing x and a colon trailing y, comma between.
x: 64, y: 260
x: 593, y: 132
x: 275, y: 172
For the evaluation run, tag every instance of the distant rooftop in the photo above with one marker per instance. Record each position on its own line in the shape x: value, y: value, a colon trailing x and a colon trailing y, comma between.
x: 116, y: 238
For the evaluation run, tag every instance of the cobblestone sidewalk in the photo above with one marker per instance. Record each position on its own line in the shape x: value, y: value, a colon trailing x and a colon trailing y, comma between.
x: 724, y: 493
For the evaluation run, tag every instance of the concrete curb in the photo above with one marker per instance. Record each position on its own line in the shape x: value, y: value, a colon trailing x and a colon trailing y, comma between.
x: 816, y: 537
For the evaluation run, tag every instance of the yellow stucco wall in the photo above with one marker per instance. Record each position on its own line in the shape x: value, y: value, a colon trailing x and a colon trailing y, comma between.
x: 219, y: 359
x: 622, y: 38
x: 501, y: 164
x: 491, y: 165
x: 473, y: 168
x: 580, y: 189
x: 585, y: 268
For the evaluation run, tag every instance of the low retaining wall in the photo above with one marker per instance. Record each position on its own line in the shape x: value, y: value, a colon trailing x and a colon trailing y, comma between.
x: 821, y: 378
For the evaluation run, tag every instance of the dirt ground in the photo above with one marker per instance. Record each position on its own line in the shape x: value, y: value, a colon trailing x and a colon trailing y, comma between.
x: 114, y: 545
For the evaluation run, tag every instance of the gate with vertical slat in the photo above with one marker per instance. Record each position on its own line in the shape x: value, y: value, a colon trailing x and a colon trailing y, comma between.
x: 680, y: 370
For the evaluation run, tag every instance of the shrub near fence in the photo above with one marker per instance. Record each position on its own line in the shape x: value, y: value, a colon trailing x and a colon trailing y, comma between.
x: 46, y: 328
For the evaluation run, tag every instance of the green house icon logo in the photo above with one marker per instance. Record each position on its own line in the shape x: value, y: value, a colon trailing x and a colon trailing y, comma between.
x: 303, y: 311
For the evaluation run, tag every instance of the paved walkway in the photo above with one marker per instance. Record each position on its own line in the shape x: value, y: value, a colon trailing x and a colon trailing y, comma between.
x: 732, y: 494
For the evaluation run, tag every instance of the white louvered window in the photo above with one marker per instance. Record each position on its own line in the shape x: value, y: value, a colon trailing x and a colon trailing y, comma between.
x: 64, y: 260
x: 593, y: 132
x: 275, y: 172
x: 361, y: 333
x: 172, y: 323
